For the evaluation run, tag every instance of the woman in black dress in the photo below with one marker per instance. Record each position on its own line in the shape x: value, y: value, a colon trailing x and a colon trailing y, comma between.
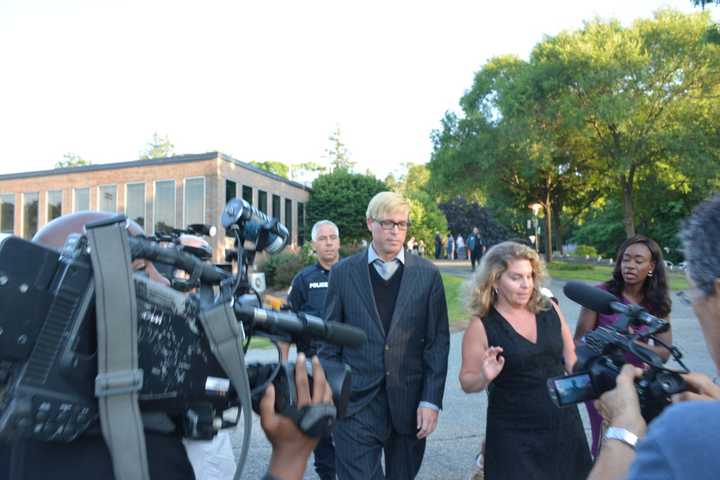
x: 516, y: 340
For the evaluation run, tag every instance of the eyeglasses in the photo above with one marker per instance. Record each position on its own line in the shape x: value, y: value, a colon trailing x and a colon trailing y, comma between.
x: 389, y: 224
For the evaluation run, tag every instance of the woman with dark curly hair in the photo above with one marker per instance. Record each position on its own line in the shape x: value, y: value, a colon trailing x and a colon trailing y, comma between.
x: 639, y: 277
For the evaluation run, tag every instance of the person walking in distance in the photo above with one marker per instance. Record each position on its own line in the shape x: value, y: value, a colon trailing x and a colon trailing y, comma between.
x: 475, y: 246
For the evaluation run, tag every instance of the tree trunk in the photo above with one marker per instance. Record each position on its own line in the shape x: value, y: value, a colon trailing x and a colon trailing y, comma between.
x: 558, y: 227
x: 548, y: 228
x: 628, y: 209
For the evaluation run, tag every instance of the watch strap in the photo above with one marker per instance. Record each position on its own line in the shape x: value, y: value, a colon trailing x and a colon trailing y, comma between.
x: 623, y: 435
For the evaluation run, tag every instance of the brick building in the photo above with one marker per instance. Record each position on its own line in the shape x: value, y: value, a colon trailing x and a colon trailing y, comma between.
x: 174, y: 191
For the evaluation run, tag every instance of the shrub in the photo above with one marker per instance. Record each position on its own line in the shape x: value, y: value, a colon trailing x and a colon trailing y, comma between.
x: 281, y: 269
x: 586, y: 251
x: 570, y: 267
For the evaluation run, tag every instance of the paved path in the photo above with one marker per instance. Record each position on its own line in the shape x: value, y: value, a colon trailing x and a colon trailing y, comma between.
x: 451, y: 449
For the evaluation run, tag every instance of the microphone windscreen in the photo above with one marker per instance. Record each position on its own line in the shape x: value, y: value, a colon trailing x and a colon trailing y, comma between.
x: 593, y: 298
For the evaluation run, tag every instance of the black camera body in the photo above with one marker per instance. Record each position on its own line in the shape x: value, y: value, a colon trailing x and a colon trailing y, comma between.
x: 605, y: 350
x: 48, y: 335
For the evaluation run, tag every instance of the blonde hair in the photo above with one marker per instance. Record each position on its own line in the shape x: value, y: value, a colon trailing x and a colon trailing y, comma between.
x: 386, y: 202
x: 494, y: 263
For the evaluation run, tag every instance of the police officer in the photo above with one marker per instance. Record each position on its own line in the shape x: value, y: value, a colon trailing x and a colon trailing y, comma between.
x: 307, y: 295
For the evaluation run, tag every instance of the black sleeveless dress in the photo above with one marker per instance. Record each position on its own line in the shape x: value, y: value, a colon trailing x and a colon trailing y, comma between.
x: 527, y: 436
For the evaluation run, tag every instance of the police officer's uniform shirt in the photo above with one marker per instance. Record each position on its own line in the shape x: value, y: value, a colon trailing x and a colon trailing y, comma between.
x: 308, y: 290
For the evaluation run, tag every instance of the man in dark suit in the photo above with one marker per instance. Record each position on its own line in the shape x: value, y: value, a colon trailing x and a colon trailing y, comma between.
x: 398, y: 375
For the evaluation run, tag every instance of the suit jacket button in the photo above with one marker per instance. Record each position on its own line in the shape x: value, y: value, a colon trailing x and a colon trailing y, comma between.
x: 387, y: 373
x: 387, y: 348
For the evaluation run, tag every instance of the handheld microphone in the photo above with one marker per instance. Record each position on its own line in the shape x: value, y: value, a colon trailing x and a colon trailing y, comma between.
x: 604, y: 302
x: 593, y: 298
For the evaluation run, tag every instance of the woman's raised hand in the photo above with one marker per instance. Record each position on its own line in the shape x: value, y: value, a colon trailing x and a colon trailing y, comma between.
x: 492, y: 362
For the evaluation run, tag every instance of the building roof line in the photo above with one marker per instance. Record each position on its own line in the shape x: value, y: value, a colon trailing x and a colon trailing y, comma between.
x: 151, y: 162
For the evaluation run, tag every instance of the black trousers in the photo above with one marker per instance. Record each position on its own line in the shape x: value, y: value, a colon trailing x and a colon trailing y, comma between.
x: 361, y: 439
x: 475, y: 258
x: 325, y: 458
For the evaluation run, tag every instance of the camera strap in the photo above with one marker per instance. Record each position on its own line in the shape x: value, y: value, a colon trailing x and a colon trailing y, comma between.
x: 119, y: 379
x: 226, y: 337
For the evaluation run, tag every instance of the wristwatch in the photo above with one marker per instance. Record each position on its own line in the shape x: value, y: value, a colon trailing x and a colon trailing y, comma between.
x: 622, y: 434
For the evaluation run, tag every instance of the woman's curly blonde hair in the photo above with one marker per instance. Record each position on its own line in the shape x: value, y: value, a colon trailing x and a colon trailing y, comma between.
x: 494, y: 263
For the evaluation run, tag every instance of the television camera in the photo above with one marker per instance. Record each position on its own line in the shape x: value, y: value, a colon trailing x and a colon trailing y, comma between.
x: 604, y: 351
x: 49, y: 336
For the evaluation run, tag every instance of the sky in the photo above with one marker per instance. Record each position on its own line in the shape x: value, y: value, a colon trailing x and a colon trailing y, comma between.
x: 261, y: 80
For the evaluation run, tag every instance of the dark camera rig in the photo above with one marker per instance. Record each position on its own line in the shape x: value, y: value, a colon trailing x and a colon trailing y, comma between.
x: 605, y: 350
x: 49, y: 379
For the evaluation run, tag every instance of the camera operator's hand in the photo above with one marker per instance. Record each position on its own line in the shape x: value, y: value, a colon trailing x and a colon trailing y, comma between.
x: 620, y: 407
x: 291, y: 447
x: 700, y: 387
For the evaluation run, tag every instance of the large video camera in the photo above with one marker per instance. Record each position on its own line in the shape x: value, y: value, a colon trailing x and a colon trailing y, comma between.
x: 48, y: 336
x: 604, y: 351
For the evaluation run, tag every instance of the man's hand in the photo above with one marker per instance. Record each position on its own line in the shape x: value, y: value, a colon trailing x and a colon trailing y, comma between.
x: 700, y: 387
x: 291, y: 447
x: 426, y: 421
x: 620, y: 406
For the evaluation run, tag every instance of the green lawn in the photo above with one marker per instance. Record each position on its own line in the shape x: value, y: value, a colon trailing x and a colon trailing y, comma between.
x: 560, y: 270
x: 454, y: 297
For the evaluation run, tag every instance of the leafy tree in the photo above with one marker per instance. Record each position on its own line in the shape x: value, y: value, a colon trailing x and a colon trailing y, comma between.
x: 702, y: 3
x: 342, y: 197
x: 425, y: 215
x: 306, y: 171
x: 463, y: 216
x: 643, y: 96
x: 338, y: 153
x: 278, y: 168
x: 593, y: 113
x: 71, y: 160
x: 512, y: 144
x: 158, y: 147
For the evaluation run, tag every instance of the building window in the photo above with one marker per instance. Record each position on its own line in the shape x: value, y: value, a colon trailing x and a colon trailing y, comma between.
x: 30, y: 214
x: 164, y: 205
x: 288, y: 218
x: 247, y: 194
x: 107, y: 198
x: 7, y: 213
x: 135, y: 203
x: 230, y: 190
x: 194, y: 200
x: 54, y: 204
x: 81, y: 200
x: 301, y: 223
x: 276, y: 207
x: 262, y: 201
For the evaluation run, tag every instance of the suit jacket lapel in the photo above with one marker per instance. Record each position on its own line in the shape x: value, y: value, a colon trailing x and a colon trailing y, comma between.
x: 406, y: 285
x: 361, y: 278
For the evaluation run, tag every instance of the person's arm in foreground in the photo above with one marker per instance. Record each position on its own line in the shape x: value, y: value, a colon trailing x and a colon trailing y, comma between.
x: 621, y: 408
x: 290, y: 447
